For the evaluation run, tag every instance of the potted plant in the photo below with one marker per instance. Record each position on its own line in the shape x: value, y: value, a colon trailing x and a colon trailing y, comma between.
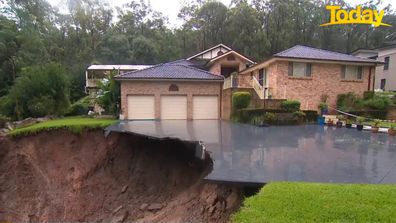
x: 359, y: 125
x: 330, y: 122
x: 323, y: 108
x: 375, y: 128
x: 339, y: 122
x: 392, y: 130
x: 348, y: 123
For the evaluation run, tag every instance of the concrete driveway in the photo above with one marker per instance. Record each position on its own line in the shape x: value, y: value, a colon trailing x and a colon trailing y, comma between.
x: 245, y: 153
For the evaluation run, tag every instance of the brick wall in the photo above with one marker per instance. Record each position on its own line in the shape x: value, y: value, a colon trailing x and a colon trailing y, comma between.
x: 216, y: 67
x: 326, y: 79
x: 162, y: 88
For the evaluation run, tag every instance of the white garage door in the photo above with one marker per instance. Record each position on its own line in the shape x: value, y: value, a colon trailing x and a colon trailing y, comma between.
x: 173, y: 107
x: 141, y: 107
x: 205, y: 107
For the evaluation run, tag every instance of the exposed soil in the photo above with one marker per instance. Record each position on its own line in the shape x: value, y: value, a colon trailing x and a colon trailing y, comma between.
x: 58, y: 176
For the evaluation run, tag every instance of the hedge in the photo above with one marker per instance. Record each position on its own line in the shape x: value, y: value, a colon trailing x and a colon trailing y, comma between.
x: 290, y: 105
x: 240, y: 100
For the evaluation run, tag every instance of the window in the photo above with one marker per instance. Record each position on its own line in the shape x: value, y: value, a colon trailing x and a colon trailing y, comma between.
x: 299, y: 69
x: 383, y: 83
x: 351, y: 72
x: 386, y: 65
x: 262, y: 76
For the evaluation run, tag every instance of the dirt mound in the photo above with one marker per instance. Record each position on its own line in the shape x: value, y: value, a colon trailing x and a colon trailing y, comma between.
x: 58, y: 176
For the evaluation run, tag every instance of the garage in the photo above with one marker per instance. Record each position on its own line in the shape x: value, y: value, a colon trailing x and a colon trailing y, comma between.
x: 141, y: 106
x: 205, y: 107
x: 173, y: 107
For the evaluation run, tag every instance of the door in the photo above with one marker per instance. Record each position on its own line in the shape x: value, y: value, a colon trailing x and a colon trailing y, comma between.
x: 141, y: 107
x: 173, y: 107
x: 205, y: 107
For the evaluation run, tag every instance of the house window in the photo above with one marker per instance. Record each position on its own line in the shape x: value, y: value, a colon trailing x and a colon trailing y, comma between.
x: 351, y: 72
x: 383, y: 83
x: 300, y: 69
x: 262, y: 76
x: 386, y: 65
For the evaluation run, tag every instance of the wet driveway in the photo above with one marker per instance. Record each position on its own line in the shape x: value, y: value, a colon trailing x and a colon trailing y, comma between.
x: 245, y: 153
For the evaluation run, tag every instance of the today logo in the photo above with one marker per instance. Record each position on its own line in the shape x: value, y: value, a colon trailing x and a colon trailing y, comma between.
x: 340, y: 16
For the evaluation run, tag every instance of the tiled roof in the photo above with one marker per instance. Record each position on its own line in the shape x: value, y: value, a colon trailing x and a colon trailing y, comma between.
x: 170, y: 71
x: 306, y: 52
x: 121, y: 67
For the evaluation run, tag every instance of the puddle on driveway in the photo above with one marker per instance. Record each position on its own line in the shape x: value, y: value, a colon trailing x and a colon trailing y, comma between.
x: 244, y: 153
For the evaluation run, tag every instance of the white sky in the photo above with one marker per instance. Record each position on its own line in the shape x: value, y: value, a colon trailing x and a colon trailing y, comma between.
x: 170, y: 8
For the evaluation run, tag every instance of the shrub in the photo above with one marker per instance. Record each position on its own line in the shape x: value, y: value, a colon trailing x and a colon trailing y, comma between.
x: 3, y: 121
x: 368, y: 95
x: 270, y: 117
x: 257, y: 120
x: 41, y: 106
x: 240, y: 100
x: 299, y: 116
x: 38, y: 83
x: 80, y: 107
x: 311, y: 115
x: 348, y: 101
x: 290, y: 105
x: 360, y: 120
x: 378, y: 102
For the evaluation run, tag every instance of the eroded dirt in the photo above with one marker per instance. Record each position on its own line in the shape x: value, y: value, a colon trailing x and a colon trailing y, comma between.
x: 58, y: 176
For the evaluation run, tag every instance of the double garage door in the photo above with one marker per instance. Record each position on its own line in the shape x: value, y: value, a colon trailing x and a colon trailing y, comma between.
x: 172, y: 107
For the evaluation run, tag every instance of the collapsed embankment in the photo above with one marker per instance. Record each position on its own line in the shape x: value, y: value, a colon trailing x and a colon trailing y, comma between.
x: 58, y: 176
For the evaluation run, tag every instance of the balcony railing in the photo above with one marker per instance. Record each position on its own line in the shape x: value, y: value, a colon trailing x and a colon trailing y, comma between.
x: 258, y: 88
x: 91, y: 82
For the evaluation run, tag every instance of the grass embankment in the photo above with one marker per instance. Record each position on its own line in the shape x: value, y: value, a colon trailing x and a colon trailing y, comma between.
x: 381, y: 124
x: 74, y: 124
x: 315, y: 202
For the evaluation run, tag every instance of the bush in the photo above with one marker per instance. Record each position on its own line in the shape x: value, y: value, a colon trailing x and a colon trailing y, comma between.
x: 378, y: 102
x: 41, y: 106
x: 3, y: 121
x: 40, y: 90
x: 311, y: 115
x: 290, y: 105
x: 299, y: 116
x: 270, y: 117
x: 240, y: 100
x: 257, y: 120
x: 80, y: 107
x: 348, y: 102
x: 368, y: 95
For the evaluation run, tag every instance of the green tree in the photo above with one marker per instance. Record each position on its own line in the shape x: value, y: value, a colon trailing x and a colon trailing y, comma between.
x: 109, y: 94
x: 41, y: 90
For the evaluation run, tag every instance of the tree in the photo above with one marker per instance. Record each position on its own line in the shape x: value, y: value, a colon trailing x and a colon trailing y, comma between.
x: 41, y: 90
x: 109, y: 94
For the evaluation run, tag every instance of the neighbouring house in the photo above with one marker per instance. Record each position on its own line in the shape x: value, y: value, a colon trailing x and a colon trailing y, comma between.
x: 385, y: 74
x: 95, y: 73
x: 184, y: 89
x: 201, y: 86
x: 309, y: 74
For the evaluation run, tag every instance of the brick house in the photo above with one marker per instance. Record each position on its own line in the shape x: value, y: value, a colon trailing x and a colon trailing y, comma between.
x: 184, y: 89
x: 308, y: 74
x: 200, y: 87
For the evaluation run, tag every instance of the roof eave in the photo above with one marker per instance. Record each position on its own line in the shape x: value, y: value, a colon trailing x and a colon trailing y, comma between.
x: 340, y: 61
x: 168, y: 79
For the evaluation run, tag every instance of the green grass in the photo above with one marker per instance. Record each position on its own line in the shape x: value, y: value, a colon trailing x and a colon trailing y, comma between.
x: 315, y: 202
x: 381, y: 124
x: 74, y: 124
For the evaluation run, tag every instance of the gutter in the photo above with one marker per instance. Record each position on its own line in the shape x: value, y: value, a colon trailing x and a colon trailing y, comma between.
x: 153, y: 79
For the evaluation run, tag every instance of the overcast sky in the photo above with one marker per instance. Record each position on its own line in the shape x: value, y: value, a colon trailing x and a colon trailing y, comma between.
x: 170, y: 8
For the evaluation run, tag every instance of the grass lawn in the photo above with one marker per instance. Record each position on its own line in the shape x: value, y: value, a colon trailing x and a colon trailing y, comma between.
x: 74, y: 124
x: 381, y: 124
x: 315, y: 202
